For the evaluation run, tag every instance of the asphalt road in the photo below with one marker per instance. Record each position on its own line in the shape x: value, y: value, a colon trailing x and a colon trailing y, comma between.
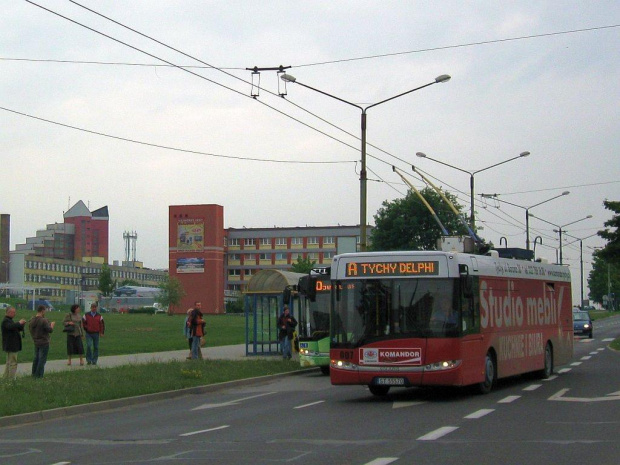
x: 572, y: 418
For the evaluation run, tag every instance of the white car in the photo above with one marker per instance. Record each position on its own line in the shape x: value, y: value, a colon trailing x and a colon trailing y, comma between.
x: 4, y: 306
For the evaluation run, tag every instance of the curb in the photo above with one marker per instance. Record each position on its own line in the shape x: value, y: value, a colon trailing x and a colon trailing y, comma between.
x: 63, y: 412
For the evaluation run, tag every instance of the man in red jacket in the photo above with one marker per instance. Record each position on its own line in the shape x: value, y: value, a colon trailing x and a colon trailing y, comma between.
x: 93, y: 327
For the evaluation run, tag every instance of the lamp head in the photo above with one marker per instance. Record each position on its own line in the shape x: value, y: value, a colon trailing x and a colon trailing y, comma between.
x: 442, y: 78
x: 288, y: 78
x: 524, y: 154
x: 589, y: 216
x: 565, y: 192
x: 420, y: 154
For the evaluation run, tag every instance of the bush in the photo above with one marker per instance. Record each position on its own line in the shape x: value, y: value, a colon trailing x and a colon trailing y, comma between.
x: 143, y: 310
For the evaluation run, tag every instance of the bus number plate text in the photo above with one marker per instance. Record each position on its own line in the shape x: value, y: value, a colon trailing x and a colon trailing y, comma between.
x: 390, y: 381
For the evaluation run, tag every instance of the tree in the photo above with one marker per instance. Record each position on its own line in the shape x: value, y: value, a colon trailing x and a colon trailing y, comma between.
x: 303, y: 265
x: 106, y: 285
x: 406, y: 224
x: 170, y: 292
x: 611, y: 251
x: 603, y: 279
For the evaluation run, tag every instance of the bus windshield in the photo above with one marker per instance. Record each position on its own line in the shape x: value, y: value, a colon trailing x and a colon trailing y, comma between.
x: 370, y: 310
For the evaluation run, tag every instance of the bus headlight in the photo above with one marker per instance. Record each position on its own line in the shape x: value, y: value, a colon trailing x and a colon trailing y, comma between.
x: 445, y: 365
x: 586, y: 326
x: 343, y: 365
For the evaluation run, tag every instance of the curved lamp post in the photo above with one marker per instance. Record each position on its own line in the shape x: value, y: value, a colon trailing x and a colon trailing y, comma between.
x: 472, y: 217
x: 527, y: 211
x: 363, y: 173
x: 560, y: 229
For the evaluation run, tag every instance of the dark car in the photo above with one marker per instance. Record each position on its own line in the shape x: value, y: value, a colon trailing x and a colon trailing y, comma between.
x: 582, y: 323
x: 125, y: 290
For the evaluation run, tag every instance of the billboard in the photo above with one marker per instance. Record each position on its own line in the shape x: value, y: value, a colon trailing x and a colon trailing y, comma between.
x: 190, y: 234
x: 190, y: 265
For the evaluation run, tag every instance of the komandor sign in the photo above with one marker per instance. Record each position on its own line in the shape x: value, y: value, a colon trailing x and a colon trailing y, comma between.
x: 384, y: 356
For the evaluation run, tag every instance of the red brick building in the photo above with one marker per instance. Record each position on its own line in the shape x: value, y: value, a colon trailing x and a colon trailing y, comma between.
x: 196, y: 254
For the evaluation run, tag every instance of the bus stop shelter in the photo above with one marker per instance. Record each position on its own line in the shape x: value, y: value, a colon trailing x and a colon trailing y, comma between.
x: 263, y: 303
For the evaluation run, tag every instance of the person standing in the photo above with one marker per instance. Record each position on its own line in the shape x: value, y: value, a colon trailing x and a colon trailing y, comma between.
x: 197, y: 330
x: 286, y: 324
x: 11, y: 341
x: 74, y: 330
x: 40, y: 330
x: 94, y: 326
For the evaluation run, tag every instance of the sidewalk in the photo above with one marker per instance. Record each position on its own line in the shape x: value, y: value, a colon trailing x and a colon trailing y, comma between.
x: 234, y: 352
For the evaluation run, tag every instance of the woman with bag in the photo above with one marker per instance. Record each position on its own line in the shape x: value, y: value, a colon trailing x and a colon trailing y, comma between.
x: 73, y: 327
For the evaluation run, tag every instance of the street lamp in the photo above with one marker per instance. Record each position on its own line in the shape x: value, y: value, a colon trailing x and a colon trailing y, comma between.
x: 472, y: 217
x: 580, y: 260
x: 363, y: 173
x: 527, y: 211
x: 560, y: 228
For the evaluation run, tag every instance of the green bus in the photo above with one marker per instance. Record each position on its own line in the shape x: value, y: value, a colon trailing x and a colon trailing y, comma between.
x: 314, y: 292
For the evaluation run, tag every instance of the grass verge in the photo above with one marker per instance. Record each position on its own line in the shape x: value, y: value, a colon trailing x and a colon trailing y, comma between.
x: 138, y: 334
x: 64, y: 389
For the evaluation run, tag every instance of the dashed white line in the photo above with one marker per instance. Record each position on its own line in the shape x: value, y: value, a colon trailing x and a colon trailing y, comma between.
x: 586, y: 357
x: 508, y: 400
x: 608, y: 339
x: 438, y: 433
x: 600, y: 349
x: 576, y: 364
x: 309, y: 405
x: 382, y: 461
x: 551, y: 378
x: 564, y: 370
x: 593, y: 353
x: 205, y: 430
x: 533, y: 387
x: 480, y: 413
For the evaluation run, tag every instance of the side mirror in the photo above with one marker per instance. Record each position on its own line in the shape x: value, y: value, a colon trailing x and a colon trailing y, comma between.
x: 467, y: 281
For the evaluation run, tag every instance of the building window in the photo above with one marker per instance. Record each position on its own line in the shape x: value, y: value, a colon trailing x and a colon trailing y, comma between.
x: 233, y: 242
x: 234, y: 272
x: 280, y: 256
x: 250, y: 257
x: 313, y: 240
x: 329, y: 240
x: 313, y: 256
x: 265, y: 241
x: 295, y: 256
x: 328, y: 255
x: 281, y: 241
x: 234, y: 256
x: 248, y: 272
x: 297, y: 241
x: 265, y: 256
x: 249, y: 242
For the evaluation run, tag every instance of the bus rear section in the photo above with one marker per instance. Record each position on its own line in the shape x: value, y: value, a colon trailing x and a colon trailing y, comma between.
x: 314, y: 291
x: 444, y: 319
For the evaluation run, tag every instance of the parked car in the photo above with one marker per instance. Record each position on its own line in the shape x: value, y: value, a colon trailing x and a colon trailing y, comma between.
x: 4, y: 306
x: 125, y: 290
x: 582, y: 323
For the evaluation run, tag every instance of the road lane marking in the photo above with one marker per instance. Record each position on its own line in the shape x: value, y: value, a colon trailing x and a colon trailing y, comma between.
x: 438, y: 433
x: 600, y: 349
x: 564, y: 370
x: 559, y: 396
x: 533, y: 387
x: 586, y: 357
x: 480, y: 413
x: 576, y: 364
x: 593, y: 353
x: 551, y: 378
x: 508, y: 400
x: 231, y: 402
x: 405, y: 404
x: 309, y: 405
x: 382, y: 461
x: 608, y: 339
x: 205, y: 430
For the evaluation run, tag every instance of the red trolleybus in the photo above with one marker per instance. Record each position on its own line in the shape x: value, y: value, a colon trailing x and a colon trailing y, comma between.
x: 431, y: 318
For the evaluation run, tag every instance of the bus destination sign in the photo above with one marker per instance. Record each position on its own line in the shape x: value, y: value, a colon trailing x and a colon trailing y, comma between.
x: 401, y: 268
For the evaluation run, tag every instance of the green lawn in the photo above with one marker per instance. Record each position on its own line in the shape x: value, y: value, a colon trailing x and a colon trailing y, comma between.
x: 137, y: 333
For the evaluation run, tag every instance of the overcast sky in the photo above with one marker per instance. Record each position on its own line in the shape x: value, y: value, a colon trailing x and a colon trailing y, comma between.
x: 526, y: 76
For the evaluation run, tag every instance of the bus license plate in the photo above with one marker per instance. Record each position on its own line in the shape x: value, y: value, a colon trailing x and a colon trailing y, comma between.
x: 390, y: 381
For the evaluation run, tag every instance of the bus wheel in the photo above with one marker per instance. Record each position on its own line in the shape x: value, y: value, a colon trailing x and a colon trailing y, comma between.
x: 548, y: 370
x: 490, y: 374
x: 325, y: 370
x: 379, y: 390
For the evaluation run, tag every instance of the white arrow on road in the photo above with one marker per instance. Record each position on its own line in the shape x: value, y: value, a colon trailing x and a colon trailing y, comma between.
x: 559, y: 396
